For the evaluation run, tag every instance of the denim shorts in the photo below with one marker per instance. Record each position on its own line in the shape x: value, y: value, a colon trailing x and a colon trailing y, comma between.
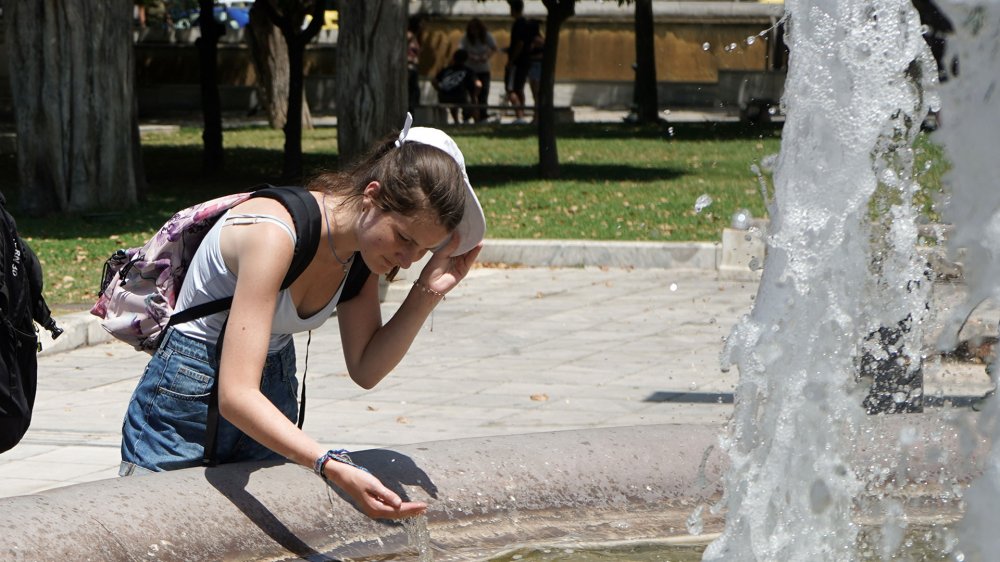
x: 164, y: 427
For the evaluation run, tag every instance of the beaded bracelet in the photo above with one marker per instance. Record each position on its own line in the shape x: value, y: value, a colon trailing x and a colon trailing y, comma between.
x: 339, y: 455
x: 428, y: 290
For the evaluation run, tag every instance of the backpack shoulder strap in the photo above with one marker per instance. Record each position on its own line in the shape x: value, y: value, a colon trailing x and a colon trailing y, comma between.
x: 356, y: 277
x: 308, y: 219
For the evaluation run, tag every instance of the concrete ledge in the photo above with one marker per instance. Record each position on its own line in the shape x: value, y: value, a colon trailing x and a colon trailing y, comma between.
x: 485, y: 493
x: 583, y: 253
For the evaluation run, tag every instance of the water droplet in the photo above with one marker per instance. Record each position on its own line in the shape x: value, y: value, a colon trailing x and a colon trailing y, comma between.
x: 768, y: 162
x: 772, y: 110
x: 670, y: 131
x: 706, y: 46
x: 751, y: 40
x: 755, y: 264
x: 704, y: 200
x: 732, y: 46
x: 741, y: 219
x: 673, y: 287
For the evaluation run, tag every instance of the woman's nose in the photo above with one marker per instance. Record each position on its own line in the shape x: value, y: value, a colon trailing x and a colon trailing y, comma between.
x: 410, y: 255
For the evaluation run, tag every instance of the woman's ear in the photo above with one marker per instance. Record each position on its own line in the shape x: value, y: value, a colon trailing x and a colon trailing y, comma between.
x: 371, y: 193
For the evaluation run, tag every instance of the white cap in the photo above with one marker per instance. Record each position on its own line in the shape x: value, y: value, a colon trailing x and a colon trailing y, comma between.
x: 472, y: 229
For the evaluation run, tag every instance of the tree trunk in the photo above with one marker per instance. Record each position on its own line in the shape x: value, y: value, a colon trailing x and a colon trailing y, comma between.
x: 269, y: 53
x: 647, y: 106
x: 211, y: 103
x: 72, y: 69
x: 548, y: 154
x: 296, y: 39
x: 371, y: 73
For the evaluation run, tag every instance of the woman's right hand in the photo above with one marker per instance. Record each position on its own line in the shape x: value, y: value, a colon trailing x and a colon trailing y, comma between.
x: 370, y: 495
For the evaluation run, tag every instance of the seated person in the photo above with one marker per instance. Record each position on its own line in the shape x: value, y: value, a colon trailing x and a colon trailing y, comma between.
x: 457, y: 84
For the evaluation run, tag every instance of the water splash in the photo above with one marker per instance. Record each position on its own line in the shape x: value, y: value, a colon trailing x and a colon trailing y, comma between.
x: 419, y: 537
x: 703, y: 201
x: 854, y: 98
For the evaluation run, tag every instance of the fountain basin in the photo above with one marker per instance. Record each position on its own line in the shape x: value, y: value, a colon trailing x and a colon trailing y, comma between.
x: 485, y: 495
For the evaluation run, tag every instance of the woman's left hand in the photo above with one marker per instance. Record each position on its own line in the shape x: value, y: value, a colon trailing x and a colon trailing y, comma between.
x: 443, y: 272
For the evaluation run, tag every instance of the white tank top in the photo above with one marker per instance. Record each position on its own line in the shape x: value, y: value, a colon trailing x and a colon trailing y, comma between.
x: 208, y: 279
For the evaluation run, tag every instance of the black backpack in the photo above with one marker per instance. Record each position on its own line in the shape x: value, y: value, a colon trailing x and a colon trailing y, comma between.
x: 21, y: 304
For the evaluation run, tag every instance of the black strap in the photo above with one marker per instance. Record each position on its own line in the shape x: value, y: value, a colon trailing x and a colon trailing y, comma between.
x: 356, y: 277
x: 305, y: 370
x: 209, y: 457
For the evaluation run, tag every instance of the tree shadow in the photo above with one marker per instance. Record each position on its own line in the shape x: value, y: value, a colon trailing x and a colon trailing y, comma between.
x: 665, y: 130
x: 500, y: 175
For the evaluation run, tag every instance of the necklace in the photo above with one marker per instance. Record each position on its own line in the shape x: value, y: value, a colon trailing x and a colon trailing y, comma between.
x: 329, y: 238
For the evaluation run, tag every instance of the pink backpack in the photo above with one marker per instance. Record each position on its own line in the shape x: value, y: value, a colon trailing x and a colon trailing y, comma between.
x: 139, y: 287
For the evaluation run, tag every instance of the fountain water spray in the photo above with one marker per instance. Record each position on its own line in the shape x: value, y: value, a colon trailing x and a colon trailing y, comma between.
x: 859, y: 83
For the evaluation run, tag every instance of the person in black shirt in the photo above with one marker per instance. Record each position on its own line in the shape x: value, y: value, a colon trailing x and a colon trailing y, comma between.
x: 457, y: 84
x: 516, y: 71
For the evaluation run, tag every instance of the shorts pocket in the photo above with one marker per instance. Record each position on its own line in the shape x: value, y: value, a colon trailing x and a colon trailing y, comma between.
x: 188, y: 384
x: 182, y: 401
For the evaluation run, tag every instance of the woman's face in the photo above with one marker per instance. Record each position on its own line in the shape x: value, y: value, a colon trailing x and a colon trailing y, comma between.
x: 388, y: 239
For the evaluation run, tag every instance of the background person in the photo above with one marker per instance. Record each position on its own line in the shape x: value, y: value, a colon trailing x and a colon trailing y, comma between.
x: 457, y: 84
x: 516, y: 71
x: 481, y: 46
x: 536, y: 50
x: 405, y: 198
x: 413, y: 30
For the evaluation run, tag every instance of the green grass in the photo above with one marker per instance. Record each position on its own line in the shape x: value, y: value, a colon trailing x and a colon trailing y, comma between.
x: 618, y: 182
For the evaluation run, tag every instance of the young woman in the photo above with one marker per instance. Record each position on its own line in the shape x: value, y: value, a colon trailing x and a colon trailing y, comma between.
x: 410, y: 195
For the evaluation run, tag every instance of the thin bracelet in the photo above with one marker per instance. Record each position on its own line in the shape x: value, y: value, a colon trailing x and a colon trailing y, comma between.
x: 339, y: 455
x: 428, y: 290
